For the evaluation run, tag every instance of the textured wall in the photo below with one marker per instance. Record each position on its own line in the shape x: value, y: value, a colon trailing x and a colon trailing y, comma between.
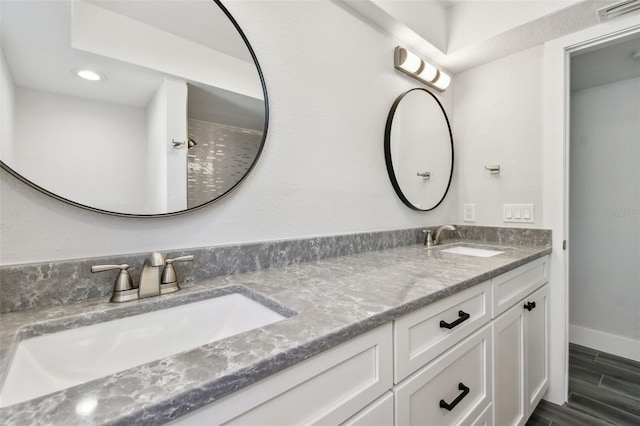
x: 605, y: 209
x: 498, y: 120
x: 331, y: 83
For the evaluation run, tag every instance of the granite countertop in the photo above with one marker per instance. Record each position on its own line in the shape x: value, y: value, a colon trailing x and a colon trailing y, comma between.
x: 327, y: 302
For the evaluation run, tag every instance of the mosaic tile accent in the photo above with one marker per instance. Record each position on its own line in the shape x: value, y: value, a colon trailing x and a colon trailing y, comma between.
x: 221, y: 158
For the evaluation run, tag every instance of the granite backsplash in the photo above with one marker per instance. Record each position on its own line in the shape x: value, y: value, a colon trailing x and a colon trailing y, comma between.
x: 31, y: 286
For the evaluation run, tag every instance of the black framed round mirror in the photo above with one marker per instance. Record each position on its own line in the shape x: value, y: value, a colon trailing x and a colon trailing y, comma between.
x: 418, y: 147
x: 166, y: 115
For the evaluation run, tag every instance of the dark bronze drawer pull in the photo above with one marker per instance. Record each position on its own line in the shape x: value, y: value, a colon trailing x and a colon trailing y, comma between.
x: 530, y: 305
x: 465, y: 391
x: 463, y: 317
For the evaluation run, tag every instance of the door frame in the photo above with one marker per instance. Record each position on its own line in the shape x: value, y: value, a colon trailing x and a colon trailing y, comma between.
x: 556, y: 96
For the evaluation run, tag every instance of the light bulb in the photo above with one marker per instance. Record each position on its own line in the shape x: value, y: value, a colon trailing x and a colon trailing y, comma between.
x: 411, y: 62
x: 89, y: 75
x: 443, y: 81
x: 429, y: 72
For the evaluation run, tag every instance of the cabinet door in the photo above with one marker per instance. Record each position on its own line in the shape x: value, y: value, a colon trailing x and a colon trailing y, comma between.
x: 378, y: 413
x: 508, y: 367
x: 536, y: 347
x: 453, y: 389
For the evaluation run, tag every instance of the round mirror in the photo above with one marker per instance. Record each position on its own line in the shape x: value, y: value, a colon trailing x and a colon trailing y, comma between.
x: 134, y: 107
x: 418, y: 148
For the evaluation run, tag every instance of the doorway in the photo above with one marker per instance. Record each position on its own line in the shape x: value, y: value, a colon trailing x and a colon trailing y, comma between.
x: 555, y: 208
x: 604, y: 198
x: 604, y: 234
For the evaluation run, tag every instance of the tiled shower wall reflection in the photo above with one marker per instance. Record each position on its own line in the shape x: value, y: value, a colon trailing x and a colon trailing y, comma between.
x: 221, y: 158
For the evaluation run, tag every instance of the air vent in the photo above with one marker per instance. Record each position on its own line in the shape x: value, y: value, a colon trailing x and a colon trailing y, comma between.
x: 618, y: 9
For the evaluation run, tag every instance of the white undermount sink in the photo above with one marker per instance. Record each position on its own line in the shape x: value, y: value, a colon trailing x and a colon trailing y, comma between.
x: 472, y: 251
x: 56, y: 361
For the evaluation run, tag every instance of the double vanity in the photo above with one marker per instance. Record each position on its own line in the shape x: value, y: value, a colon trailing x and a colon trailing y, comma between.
x: 407, y: 335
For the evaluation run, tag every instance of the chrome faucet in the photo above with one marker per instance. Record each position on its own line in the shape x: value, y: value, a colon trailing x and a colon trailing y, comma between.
x: 150, y: 277
x: 154, y: 280
x: 436, y: 235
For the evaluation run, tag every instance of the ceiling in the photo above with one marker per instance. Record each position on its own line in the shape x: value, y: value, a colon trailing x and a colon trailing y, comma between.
x: 609, y: 64
x: 36, y: 41
x: 461, y: 34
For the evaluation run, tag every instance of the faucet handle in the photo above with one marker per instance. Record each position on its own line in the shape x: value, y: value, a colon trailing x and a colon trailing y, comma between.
x: 102, y: 268
x: 169, y: 274
x: 122, y: 284
x: 186, y: 258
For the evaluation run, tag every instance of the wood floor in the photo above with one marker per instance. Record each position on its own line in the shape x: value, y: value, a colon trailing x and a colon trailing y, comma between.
x: 603, y: 390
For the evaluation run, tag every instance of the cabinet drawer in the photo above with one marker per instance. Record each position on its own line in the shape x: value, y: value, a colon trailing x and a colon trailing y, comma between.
x: 465, y: 366
x: 328, y: 388
x: 378, y: 413
x: 419, y: 336
x: 510, y: 287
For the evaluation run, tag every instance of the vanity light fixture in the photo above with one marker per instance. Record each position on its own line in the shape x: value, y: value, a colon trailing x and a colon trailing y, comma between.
x: 89, y: 75
x: 412, y: 65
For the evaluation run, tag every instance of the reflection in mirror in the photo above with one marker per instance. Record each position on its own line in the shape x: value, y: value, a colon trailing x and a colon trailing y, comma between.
x: 419, y: 149
x: 174, y: 119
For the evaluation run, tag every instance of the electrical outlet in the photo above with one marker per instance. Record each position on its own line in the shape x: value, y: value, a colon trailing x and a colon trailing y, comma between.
x: 469, y: 213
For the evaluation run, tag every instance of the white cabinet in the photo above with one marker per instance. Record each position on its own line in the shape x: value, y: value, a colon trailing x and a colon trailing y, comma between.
x: 510, y: 287
x: 453, y: 389
x: 326, y: 389
x: 521, y: 358
x: 421, y: 336
x: 536, y: 345
x: 452, y: 364
x: 508, y: 355
x: 378, y: 413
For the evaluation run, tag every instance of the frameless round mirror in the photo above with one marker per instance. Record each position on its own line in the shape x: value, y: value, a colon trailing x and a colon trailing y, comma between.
x: 418, y: 148
x: 133, y: 108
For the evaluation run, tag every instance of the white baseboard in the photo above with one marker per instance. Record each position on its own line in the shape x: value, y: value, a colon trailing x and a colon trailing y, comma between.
x: 605, y: 342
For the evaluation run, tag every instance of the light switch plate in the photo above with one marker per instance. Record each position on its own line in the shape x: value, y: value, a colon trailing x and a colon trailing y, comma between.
x: 469, y: 213
x: 518, y: 213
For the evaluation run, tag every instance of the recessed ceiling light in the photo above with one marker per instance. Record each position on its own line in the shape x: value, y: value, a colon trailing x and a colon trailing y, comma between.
x: 89, y: 75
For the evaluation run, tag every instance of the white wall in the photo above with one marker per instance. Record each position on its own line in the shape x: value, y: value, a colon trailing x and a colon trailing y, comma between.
x: 69, y: 144
x: 605, y: 213
x: 7, y: 107
x: 156, y: 150
x: 497, y: 119
x: 176, y: 182
x: 167, y: 167
x: 331, y: 84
